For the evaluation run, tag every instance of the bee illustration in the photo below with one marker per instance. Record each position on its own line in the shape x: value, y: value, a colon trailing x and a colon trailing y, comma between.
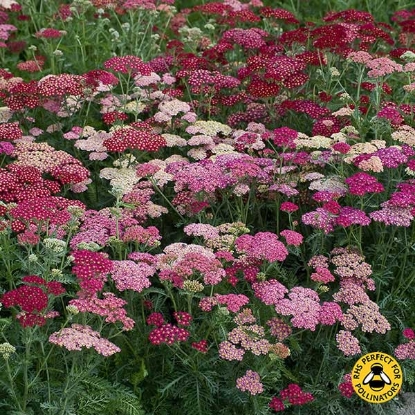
x: 376, y: 378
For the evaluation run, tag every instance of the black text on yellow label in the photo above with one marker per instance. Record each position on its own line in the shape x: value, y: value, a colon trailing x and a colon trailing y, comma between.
x: 377, y: 377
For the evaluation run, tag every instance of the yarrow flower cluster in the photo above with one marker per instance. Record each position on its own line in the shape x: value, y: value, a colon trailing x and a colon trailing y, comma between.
x: 168, y: 334
x: 303, y: 304
x: 263, y: 246
x: 78, y: 336
x: 293, y: 394
x: 346, y: 387
x: 250, y: 382
x: 110, y: 307
x: 32, y: 299
x: 91, y: 268
x: 406, y: 350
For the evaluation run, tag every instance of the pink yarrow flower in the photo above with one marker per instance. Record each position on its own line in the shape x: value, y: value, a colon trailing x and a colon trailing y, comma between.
x: 250, y: 382
x: 292, y: 237
x: 77, y: 336
x: 263, y: 246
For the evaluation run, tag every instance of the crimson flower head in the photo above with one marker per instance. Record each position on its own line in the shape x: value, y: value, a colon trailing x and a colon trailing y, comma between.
x: 32, y: 299
x: 288, y: 207
x: 97, y: 76
x: 182, y: 318
x: 22, y: 95
x: 28, y: 298
x: 169, y: 334
x: 50, y: 33
x: 10, y: 131
x: 346, y: 387
x: 280, y: 14
x: 201, y: 346
x: 259, y: 88
x: 409, y: 333
x: 276, y: 404
x: 137, y: 135
x: 295, y: 395
x: 362, y: 183
x: 60, y: 85
x: 52, y: 287
x: 128, y: 64
x: 155, y: 319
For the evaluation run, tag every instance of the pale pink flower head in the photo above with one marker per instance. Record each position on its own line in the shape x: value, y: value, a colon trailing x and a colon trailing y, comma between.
x: 360, y: 56
x: 405, y: 351
x: 347, y: 343
x: 383, y: 66
x: 250, y: 382
x: 77, y: 336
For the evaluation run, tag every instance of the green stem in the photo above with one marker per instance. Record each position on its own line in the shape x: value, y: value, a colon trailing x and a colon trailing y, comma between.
x: 165, y: 198
x: 12, y: 389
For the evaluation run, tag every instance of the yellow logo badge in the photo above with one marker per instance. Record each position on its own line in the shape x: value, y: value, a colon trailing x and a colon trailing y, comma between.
x: 377, y: 377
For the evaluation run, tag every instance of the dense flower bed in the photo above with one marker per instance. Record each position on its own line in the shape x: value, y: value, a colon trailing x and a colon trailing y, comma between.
x: 202, y: 210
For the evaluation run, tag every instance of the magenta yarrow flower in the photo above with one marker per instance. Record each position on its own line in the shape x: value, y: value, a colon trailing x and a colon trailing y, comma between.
x: 352, y: 216
x: 330, y: 313
x: 292, y: 237
x: 362, y: 183
x: 346, y: 387
x: 393, y: 215
x: 409, y: 334
x: 263, y: 246
x: 288, y: 207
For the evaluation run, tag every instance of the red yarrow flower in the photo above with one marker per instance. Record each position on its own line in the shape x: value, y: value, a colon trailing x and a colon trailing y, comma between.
x: 169, y: 334
x: 28, y: 298
x: 276, y: 404
x: 10, y: 131
x: 32, y: 299
x: 295, y: 395
x: 201, y: 346
x: 409, y: 333
x: 128, y: 64
x: 138, y: 135
x: 182, y: 318
x: 50, y: 33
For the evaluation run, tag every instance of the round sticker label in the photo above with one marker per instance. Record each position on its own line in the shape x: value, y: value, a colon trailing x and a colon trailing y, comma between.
x: 377, y: 377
